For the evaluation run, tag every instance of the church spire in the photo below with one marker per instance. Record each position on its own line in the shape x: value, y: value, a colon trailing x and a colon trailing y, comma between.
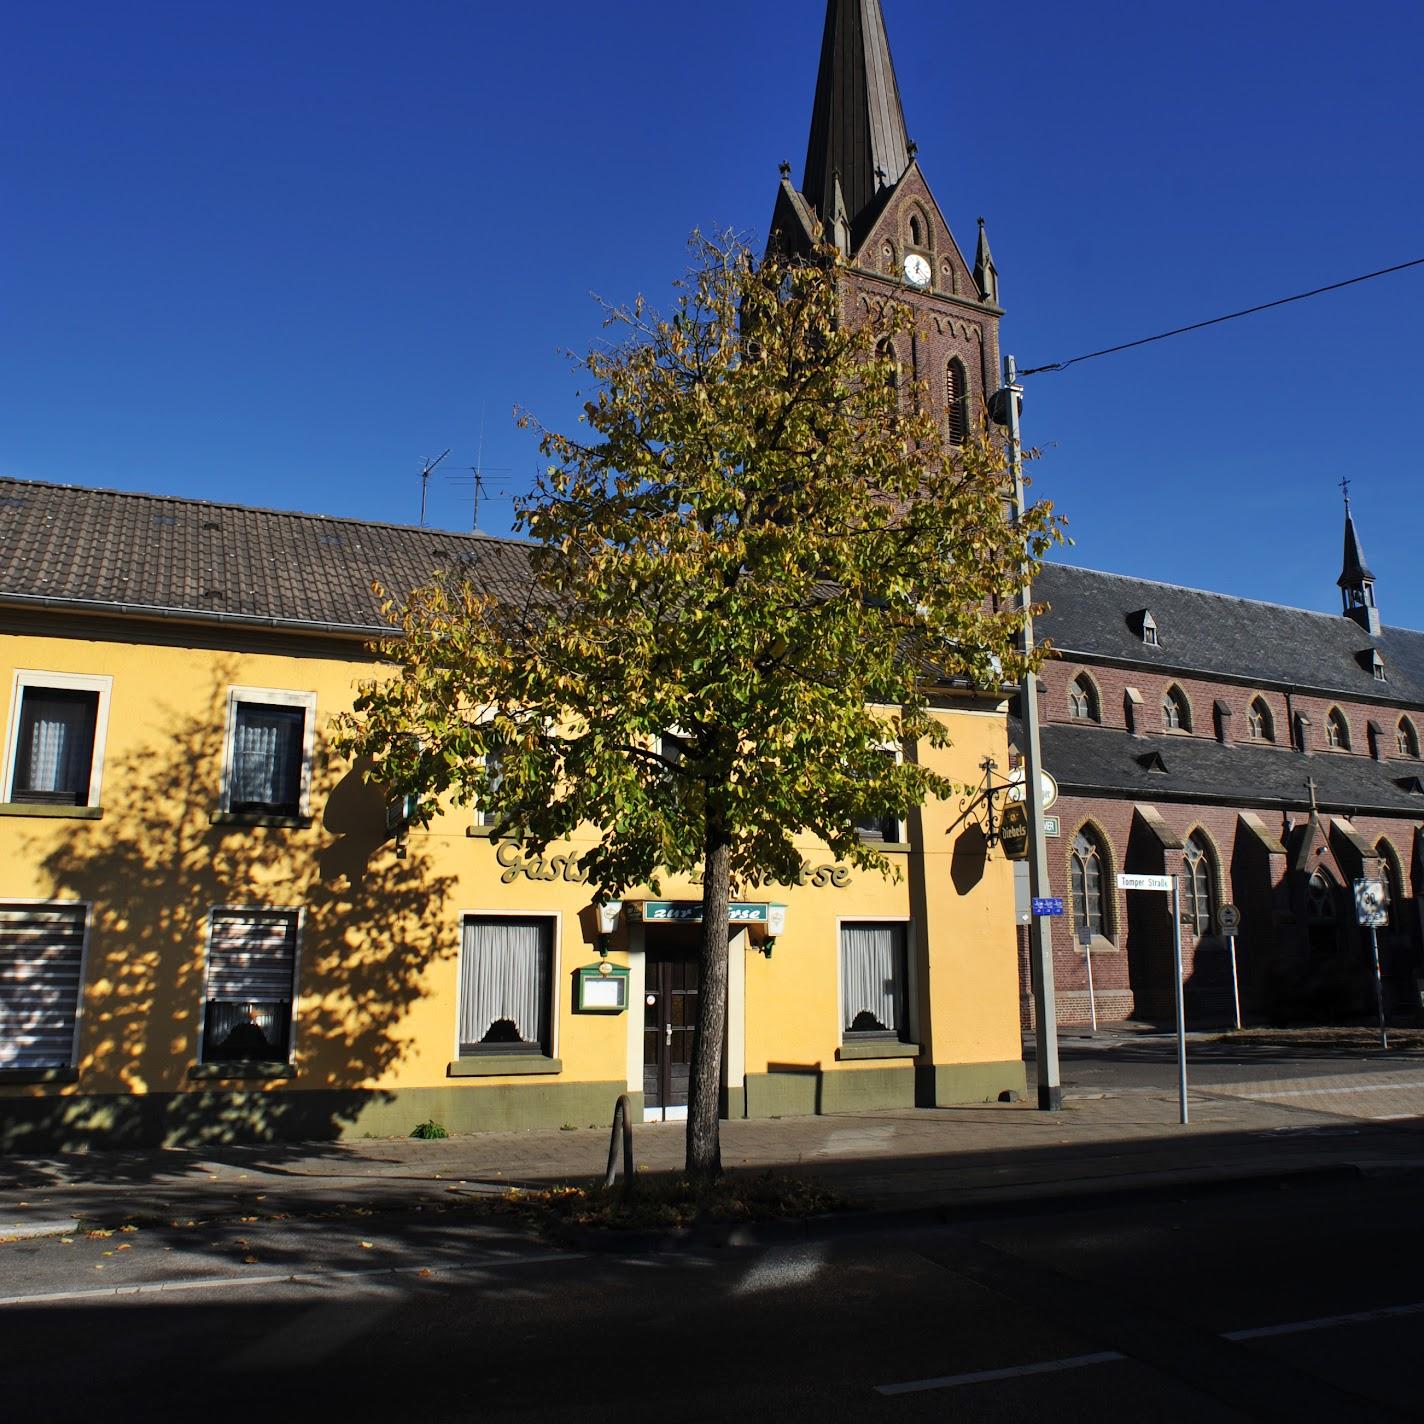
x: 985, y: 273
x: 1356, y: 582
x: 858, y: 125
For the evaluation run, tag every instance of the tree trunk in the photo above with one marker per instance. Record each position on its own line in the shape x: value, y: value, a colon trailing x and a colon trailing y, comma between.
x: 704, y: 1146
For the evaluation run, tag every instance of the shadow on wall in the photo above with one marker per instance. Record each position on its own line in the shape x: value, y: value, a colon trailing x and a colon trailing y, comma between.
x: 153, y: 869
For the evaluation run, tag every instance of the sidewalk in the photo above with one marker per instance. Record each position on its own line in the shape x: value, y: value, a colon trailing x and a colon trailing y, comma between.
x: 959, y: 1159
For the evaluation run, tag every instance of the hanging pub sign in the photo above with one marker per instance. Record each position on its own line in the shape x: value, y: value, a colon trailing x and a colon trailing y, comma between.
x: 1013, y: 831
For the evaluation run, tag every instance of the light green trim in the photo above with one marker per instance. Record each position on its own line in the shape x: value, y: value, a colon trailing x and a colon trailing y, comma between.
x: 877, y: 1048
x: 946, y: 1084
x: 257, y: 818
x: 56, y: 813
x: 503, y: 1065
x: 222, y: 1114
x: 806, y: 1093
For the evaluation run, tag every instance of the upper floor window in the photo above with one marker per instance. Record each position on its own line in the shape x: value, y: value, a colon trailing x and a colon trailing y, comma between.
x: 956, y: 392
x: 1087, y: 883
x: 917, y: 231
x: 1337, y: 730
x: 1083, y: 699
x: 57, y: 731
x: 1176, y: 711
x: 270, y: 737
x: 1406, y: 739
x: 1196, y: 886
x: 884, y: 828
x: 1260, y: 725
x: 494, y: 771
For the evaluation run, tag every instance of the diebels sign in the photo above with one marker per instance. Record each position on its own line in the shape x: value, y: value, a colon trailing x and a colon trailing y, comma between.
x: 1013, y: 831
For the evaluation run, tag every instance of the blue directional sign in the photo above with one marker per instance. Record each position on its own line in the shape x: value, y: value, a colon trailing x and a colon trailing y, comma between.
x: 1048, y: 906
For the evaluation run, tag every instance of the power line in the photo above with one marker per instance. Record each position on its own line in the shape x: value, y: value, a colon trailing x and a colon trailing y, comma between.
x: 1217, y: 320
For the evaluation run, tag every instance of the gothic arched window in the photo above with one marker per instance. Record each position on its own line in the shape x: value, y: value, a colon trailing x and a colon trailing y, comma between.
x: 1337, y: 730
x: 1083, y: 699
x: 1394, y: 882
x: 917, y: 231
x: 1087, y: 881
x: 1197, y: 896
x: 1260, y: 725
x: 885, y: 351
x: 1176, y: 711
x: 956, y: 394
x: 1406, y: 738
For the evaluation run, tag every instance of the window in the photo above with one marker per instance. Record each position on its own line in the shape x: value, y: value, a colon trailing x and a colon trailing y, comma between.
x: 1260, y: 725
x: 886, y: 829
x: 1196, y: 886
x: 885, y: 351
x: 269, y: 752
x: 506, y: 972
x: 1337, y: 730
x: 873, y: 970
x: 41, y: 978
x: 956, y: 393
x: 1085, y: 875
x: 494, y: 769
x: 56, y: 747
x: 1394, y: 883
x: 1176, y: 711
x: 250, y: 986
x: 917, y: 231
x: 1320, y: 899
x: 1083, y: 699
x: 1406, y: 739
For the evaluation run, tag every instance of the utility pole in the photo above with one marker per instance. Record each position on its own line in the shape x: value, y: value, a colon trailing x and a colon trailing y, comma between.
x: 1045, y: 1003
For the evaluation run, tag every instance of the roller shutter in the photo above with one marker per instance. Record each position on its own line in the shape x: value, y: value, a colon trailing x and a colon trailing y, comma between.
x: 41, y: 966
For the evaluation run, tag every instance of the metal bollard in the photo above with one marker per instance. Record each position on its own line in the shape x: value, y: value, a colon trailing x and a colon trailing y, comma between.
x: 622, y: 1110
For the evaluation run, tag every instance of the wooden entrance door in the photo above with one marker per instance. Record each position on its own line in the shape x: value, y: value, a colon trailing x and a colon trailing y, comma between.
x: 669, y: 1026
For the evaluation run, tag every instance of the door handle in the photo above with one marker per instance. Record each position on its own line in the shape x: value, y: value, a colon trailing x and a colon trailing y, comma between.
x: 669, y: 1035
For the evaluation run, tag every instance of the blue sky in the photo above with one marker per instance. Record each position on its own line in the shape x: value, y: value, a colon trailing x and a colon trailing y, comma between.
x: 279, y: 253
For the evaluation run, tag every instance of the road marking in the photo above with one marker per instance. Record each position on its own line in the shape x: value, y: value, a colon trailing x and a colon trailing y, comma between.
x: 295, y: 1278
x: 1326, y: 1322
x: 1044, y: 1367
x: 1243, y: 1090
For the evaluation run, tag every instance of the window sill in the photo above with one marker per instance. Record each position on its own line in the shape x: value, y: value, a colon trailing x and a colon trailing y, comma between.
x: 503, y: 1065
x: 889, y: 847
x: 49, y: 809
x: 485, y: 833
x: 258, y: 818
x: 1100, y: 945
x: 209, y: 1071
x: 877, y: 1048
x: 39, y: 1075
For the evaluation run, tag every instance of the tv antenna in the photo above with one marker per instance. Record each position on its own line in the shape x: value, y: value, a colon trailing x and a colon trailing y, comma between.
x: 477, y: 474
x: 425, y: 475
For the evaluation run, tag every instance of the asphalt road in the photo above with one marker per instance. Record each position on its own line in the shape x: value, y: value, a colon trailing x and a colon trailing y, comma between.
x: 1098, y: 1314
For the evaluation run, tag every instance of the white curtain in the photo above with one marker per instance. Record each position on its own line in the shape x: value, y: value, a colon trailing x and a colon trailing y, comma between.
x: 267, y: 757
x: 57, y: 738
x: 872, y: 966
x: 504, y: 982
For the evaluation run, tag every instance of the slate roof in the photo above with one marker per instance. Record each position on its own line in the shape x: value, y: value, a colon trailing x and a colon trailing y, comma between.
x: 1089, y: 759
x: 106, y: 550
x: 1213, y: 634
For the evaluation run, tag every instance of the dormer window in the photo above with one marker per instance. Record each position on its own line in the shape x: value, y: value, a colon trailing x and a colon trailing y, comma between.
x: 1145, y: 626
x: 1337, y: 731
x: 1176, y: 711
x: 1372, y: 663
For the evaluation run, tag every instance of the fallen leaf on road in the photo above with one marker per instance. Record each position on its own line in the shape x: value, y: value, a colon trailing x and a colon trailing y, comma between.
x: 98, y: 1268
x: 424, y: 1271
x: 129, y: 1227
x: 366, y: 1246
x: 108, y: 1253
x: 66, y: 1241
x: 249, y: 1260
x: 124, y: 1247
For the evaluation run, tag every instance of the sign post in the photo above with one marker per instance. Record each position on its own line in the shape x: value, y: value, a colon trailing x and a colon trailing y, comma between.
x: 1228, y: 921
x: 1168, y: 884
x: 1372, y: 911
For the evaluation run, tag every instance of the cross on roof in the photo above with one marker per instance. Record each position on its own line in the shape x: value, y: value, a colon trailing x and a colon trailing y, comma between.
x: 1345, y: 490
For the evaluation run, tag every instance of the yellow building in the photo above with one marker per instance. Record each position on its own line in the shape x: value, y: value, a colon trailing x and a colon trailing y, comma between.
x: 209, y: 931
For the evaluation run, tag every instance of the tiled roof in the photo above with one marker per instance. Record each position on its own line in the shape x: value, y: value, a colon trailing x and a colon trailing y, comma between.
x: 1088, y: 760
x: 1091, y: 616
x: 61, y: 545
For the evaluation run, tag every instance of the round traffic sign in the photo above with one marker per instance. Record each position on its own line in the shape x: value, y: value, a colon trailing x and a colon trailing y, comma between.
x: 1228, y: 919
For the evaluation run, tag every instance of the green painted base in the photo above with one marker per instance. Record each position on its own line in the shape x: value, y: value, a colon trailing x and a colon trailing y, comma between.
x: 216, y: 1116
x: 944, y: 1085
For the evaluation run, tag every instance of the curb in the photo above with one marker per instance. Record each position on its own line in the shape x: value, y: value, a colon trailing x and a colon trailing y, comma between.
x: 742, y: 1235
x: 33, y: 1230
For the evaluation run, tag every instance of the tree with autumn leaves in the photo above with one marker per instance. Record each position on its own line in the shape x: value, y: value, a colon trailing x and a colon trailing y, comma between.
x: 749, y: 570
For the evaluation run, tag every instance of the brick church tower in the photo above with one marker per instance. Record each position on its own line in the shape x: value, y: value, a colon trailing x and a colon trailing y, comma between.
x: 865, y: 194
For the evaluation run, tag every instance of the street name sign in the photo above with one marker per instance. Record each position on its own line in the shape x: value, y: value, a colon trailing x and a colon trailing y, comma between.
x: 1144, y: 882
x: 1051, y: 905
